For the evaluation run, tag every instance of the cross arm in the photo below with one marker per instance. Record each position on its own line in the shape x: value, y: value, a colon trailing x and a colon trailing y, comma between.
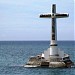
x: 45, y: 15
x: 64, y: 15
x: 55, y: 15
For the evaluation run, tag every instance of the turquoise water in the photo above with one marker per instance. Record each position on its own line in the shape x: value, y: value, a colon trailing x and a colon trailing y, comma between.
x: 14, y: 54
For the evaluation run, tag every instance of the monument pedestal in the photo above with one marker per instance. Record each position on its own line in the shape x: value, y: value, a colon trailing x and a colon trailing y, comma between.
x: 45, y: 60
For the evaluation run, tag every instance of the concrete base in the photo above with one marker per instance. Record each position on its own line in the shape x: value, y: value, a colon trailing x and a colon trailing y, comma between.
x: 38, y: 62
x: 46, y: 60
x: 57, y: 64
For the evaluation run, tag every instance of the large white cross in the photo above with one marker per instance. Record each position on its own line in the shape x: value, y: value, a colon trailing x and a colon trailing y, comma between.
x: 53, y: 17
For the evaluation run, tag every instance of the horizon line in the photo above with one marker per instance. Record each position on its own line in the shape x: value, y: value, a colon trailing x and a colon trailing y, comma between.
x: 35, y: 40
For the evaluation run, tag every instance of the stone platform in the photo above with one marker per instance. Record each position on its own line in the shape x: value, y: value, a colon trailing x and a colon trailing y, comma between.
x: 39, y: 61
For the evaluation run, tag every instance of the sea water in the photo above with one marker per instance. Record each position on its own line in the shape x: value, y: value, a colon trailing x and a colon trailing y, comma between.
x: 15, y: 54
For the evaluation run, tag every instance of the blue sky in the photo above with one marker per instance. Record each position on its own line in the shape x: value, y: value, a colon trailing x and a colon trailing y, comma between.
x: 19, y: 19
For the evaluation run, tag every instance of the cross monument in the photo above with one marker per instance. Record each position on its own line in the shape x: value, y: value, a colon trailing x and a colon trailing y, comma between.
x: 53, y: 15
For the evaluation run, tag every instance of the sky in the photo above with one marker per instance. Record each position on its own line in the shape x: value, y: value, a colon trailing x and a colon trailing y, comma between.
x: 19, y: 20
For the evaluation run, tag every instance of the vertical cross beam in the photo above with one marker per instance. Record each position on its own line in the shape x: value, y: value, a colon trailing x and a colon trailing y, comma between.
x: 53, y: 31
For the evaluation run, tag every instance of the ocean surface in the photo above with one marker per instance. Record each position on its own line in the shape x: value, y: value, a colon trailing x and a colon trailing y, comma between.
x: 14, y: 54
